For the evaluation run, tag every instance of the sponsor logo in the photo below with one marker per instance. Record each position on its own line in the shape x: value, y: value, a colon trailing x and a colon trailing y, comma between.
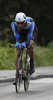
x: 18, y: 18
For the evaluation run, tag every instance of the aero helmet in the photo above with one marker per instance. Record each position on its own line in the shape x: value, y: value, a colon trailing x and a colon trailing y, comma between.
x: 20, y: 17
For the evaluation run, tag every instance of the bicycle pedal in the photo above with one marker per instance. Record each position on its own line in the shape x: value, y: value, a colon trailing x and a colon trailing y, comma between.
x: 24, y: 72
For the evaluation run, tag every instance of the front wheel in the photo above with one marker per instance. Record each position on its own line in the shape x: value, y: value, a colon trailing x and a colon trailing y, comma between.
x: 18, y: 77
x: 27, y: 79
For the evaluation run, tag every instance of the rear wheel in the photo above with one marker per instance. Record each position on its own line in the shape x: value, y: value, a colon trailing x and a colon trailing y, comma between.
x: 26, y: 83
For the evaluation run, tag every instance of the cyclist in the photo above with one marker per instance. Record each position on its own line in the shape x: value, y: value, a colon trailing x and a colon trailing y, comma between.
x: 25, y: 32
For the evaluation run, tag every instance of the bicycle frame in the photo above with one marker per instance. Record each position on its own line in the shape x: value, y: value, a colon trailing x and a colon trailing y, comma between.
x: 21, y: 56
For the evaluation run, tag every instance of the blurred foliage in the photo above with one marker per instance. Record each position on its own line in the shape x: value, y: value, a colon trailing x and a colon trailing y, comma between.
x: 42, y: 57
x: 41, y: 11
x: 50, y: 45
x: 7, y: 58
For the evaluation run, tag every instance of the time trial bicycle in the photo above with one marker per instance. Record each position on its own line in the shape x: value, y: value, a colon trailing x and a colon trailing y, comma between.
x: 22, y: 70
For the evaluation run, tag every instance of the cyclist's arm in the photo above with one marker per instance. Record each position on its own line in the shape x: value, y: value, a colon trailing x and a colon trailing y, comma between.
x: 14, y: 29
x: 32, y: 34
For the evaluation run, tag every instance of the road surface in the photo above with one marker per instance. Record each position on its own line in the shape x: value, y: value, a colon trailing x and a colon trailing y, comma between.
x: 40, y: 89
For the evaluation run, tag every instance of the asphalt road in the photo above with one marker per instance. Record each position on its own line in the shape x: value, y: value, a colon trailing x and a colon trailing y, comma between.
x: 40, y: 89
x: 40, y: 72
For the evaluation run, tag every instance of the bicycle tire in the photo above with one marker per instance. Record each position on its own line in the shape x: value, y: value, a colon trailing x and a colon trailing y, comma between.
x: 18, y: 79
x: 27, y: 79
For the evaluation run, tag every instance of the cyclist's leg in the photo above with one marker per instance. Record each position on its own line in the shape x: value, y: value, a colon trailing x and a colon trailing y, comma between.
x: 18, y: 55
x: 31, y: 54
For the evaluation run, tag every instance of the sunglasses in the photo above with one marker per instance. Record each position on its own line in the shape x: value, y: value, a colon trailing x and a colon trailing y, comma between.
x: 20, y: 22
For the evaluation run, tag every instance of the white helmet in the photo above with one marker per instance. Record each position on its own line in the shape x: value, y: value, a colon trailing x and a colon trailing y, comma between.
x: 20, y: 17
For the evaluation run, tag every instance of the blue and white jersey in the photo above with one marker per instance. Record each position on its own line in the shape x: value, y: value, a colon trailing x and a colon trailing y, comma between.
x: 25, y: 34
x: 29, y: 19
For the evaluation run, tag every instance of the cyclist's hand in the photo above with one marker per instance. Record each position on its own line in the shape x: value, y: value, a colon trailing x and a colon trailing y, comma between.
x: 23, y: 44
x: 17, y: 44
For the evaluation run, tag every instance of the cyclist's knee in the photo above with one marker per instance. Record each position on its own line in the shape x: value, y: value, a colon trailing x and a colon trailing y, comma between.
x: 31, y: 52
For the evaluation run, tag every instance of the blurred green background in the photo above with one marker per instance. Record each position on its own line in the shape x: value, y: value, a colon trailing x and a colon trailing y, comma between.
x: 42, y: 12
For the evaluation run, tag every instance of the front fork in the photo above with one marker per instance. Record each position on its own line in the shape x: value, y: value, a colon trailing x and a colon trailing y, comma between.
x: 21, y: 62
x: 25, y: 61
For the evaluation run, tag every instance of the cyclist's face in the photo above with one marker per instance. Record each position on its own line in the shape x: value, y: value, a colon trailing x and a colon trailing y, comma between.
x: 21, y: 25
